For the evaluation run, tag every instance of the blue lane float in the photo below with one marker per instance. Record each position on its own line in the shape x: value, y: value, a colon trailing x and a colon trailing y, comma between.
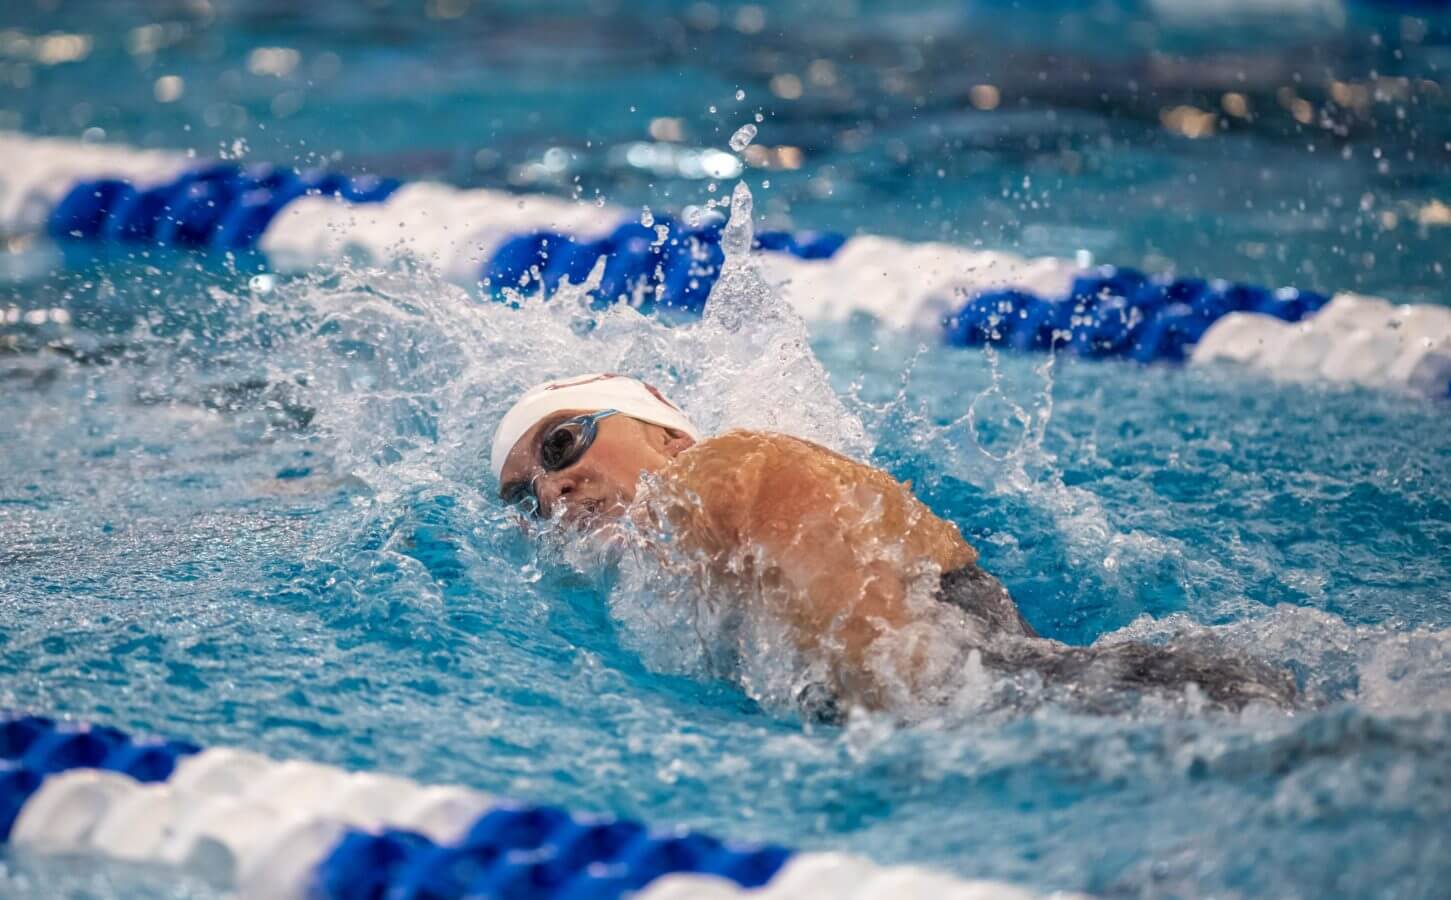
x: 32, y: 747
x: 1107, y: 312
x: 513, y: 246
x: 219, y: 206
x: 288, y: 829
x: 226, y: 207
x: 1113, y: 311
x: 672, y: 264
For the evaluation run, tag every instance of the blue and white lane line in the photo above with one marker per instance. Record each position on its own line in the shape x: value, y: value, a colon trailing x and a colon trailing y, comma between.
x: 528, y: 243
x: 276, y: 830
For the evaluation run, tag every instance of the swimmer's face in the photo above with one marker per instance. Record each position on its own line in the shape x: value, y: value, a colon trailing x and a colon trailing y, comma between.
x: 602, y: 481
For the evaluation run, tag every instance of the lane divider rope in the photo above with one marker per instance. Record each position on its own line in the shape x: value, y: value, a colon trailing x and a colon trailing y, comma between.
x: 506, y: 243
x: 296, y: 829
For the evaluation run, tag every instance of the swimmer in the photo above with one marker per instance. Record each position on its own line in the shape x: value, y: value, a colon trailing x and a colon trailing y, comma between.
x: 836, y: 550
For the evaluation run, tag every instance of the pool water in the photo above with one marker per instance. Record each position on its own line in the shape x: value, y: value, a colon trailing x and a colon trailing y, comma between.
x: 257, y: 513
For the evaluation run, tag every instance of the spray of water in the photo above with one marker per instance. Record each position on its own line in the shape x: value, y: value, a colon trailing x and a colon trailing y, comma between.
x: 400, y: 377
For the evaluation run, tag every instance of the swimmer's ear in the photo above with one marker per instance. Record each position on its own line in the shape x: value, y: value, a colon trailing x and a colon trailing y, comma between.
x: 677, y: 441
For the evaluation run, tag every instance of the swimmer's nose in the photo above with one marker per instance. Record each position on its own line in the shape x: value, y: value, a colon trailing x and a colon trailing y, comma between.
x: 553, y: 488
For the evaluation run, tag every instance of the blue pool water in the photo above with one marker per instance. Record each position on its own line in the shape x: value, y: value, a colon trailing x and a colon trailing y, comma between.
x: 260, y: 516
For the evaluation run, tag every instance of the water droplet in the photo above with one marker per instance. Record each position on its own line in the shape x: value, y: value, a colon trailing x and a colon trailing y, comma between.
x: 743, y: 137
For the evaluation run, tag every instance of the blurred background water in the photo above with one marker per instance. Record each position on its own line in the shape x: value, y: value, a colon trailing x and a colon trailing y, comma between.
x: 1300, y: 142
x: 257, y: 513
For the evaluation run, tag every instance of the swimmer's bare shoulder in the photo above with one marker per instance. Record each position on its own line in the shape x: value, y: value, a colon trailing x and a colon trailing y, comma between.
x: 747, y: 482
x: 837, y: 541
x: 755, y: 486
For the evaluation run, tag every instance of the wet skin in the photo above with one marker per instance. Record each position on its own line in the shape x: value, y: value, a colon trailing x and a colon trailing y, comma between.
x: 831, y: 545
x: 603, y: 481
x: 832, y: 548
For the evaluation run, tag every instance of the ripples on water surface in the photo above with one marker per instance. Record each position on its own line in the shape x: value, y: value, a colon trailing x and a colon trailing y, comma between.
x: 262, y: 517
x: 264, y: 520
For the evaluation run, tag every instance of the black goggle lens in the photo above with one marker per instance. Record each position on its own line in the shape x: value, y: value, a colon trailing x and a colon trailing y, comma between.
x: 563, y: 446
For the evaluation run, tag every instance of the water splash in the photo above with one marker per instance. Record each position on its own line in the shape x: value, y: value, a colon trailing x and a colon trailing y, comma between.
x: 740, y: 295
x: 739, y: 231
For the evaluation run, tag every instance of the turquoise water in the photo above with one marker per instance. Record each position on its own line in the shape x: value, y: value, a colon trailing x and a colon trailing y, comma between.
x: 261, y: 517
x: 268, y: 524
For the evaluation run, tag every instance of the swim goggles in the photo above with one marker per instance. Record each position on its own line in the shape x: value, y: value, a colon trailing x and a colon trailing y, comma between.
x: 561, y: 447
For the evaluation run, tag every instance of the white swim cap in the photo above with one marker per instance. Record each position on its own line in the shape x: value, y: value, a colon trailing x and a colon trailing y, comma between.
x: 590, y: 393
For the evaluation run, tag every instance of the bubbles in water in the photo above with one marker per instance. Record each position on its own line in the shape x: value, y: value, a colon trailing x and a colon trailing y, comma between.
x: 743, y: 137
x: 740, y: 94
x: 647, y: 218
x: 262, y: 284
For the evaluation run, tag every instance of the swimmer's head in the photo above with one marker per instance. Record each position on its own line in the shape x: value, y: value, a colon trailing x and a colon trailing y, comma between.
x: 582, y: 443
